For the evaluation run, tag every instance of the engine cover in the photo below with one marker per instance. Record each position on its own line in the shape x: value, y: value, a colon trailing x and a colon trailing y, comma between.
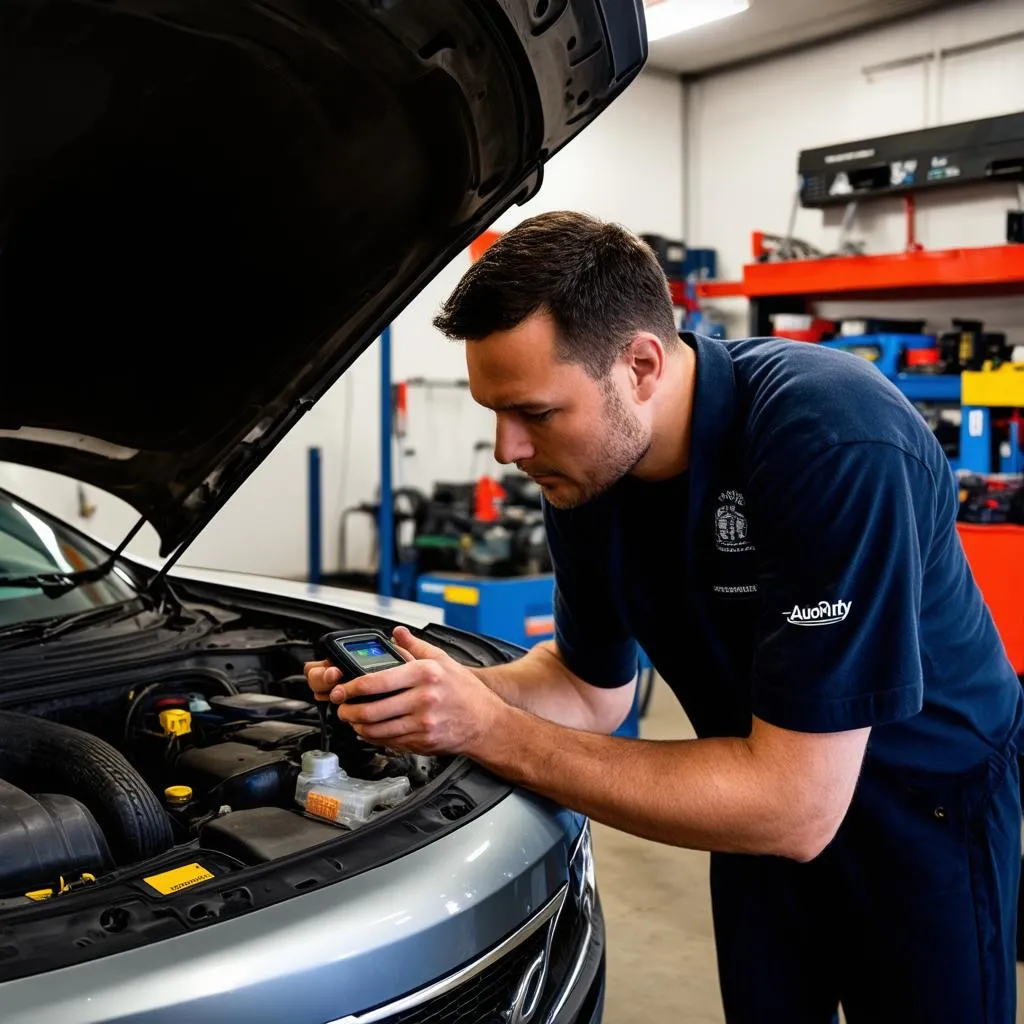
x: 237, y: 774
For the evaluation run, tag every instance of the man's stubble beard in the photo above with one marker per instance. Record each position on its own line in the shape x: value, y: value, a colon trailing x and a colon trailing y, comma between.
x: 625, y: 443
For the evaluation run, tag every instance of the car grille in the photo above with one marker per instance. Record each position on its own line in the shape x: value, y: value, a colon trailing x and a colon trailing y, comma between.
x: 570, y: 934
x: 485, y: 998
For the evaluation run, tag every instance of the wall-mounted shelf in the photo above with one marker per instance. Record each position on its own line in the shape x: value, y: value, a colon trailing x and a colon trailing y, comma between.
x: 992, y: 269
x: 792, y: 286
x: 721, y: 290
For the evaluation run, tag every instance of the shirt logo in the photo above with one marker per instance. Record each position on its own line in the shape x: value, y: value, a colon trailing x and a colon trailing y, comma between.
x: 824, y: 613
x: 731, y: 523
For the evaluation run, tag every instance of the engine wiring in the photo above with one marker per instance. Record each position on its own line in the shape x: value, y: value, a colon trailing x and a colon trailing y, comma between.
x: 136, y: 698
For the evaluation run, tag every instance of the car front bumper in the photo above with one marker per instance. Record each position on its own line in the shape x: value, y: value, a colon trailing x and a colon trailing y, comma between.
x: 549, y: 970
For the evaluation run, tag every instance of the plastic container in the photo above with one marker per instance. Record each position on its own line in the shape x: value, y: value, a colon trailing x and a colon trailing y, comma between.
x: 922, y: 358
x: 801, y: 327
x: 324, y: 789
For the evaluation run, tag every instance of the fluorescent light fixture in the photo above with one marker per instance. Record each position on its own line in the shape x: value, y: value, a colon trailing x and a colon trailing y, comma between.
x: 667, y: 17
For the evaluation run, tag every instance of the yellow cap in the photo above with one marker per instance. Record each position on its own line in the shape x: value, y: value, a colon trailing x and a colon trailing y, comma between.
x: 176, y: 722
x: 39, y: 894
x: 178, y: 794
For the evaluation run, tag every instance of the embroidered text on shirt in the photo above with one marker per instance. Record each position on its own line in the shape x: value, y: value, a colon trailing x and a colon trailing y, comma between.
x: 821, y: 614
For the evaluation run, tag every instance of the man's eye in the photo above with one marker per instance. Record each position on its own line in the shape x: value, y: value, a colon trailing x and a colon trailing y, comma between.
x: 539, y: 417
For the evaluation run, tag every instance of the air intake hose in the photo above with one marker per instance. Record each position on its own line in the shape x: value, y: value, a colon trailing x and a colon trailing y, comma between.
x: 45, y: 757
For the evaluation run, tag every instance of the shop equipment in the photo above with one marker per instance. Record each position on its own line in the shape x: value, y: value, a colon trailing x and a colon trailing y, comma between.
x: 985, y: 150
x: 892, y: 354
x: 992, y: 426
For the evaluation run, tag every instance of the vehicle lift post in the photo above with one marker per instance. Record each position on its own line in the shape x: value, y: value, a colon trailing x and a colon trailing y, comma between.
x: 385, y: 514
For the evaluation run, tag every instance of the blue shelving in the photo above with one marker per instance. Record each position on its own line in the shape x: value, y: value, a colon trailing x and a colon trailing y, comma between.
x: 929, y: 387
x: 886, y: 353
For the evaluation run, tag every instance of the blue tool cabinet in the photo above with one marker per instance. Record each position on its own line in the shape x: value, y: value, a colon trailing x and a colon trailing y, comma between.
x: 518, y: 610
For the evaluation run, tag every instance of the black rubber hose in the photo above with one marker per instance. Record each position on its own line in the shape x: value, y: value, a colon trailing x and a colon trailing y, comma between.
x: 46, y: 757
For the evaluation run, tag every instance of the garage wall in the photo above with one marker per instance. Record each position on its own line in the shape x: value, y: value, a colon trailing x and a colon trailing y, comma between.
x: 627, y: 166
x: 746, y: 127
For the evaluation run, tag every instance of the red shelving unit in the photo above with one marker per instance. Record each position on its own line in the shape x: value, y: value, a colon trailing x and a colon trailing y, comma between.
x: 991, y: 269
x: 793, y: 286
x: 996, y: 555
x: 921, y: 274
x: 720, y: 290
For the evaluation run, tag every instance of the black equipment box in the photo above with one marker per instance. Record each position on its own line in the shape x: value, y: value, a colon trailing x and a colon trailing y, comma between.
x: 991, y: 149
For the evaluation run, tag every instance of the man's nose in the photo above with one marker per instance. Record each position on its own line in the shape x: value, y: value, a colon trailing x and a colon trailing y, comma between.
x: 511, y: 441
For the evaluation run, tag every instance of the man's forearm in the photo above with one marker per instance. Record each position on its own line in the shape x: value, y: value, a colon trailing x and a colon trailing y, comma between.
x: 540, y: 683
x: 708, y: 794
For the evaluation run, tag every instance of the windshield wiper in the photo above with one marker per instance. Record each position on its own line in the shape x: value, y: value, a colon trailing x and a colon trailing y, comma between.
x: 45, y: 629
x: 53, y: 584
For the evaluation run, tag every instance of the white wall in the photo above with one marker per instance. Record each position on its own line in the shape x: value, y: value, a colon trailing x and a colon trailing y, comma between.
x: 746, y: 127
x: 626, y: 166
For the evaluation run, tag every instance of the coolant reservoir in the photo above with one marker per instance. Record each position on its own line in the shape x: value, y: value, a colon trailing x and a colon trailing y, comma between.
x: 323, y: 788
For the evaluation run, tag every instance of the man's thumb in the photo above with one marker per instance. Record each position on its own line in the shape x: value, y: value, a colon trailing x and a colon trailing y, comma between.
x: 419, y: 649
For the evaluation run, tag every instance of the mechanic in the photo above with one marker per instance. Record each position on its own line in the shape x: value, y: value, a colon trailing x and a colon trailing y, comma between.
x: 774, y: 524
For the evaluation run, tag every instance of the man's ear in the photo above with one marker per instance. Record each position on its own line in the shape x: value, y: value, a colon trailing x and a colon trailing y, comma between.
x: 645, y: 364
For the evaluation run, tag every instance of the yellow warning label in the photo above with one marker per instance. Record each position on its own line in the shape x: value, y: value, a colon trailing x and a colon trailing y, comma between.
x: 461, y: 595
x: 180, y: 878
x: 323, y: 805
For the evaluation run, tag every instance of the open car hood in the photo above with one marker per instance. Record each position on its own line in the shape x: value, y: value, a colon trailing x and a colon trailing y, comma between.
x: 208, y: 210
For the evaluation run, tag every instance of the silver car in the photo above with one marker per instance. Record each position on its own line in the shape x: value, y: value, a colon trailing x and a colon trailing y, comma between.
x: 207, y: 211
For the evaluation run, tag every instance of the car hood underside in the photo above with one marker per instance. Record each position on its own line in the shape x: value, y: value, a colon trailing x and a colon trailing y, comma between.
x: 209, y: 210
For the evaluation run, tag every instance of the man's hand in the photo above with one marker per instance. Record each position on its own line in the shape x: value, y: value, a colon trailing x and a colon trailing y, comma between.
x: 444, y: 709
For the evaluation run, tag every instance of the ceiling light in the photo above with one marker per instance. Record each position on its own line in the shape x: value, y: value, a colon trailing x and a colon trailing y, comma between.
x: 667, y: 17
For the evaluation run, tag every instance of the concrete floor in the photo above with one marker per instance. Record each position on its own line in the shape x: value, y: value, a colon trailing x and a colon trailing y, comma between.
x: 661, y: 950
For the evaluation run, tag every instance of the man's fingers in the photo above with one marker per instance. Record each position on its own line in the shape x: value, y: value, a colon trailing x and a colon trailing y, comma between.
x: 404, y: 639
x: 406, y: 727
x: 401, y: 678
x: 400, y: 704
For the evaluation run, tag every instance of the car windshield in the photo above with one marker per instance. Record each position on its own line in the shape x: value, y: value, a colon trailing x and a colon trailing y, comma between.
x: 34, y: 544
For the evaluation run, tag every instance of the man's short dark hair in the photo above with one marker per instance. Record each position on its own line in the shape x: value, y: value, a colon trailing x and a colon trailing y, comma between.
x: 600, y: 284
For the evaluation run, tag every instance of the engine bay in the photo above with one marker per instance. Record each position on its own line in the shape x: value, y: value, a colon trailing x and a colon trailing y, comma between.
x: 214, y: 750
x: 215, y: 756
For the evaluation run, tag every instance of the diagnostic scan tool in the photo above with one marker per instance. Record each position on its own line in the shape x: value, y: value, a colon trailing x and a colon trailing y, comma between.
x: 360, y: 652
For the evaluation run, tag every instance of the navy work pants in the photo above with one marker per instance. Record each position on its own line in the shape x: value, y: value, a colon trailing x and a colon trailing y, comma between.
x: 908, y: 917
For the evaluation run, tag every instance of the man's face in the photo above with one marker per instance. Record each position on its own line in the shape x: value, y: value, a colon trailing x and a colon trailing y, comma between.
x: 572, y: 434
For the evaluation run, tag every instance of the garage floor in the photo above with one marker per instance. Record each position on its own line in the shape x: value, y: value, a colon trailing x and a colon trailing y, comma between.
x: 661, y: 952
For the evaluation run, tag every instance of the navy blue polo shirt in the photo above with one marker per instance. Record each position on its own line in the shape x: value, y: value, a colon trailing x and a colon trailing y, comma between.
x: 805, y: 569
